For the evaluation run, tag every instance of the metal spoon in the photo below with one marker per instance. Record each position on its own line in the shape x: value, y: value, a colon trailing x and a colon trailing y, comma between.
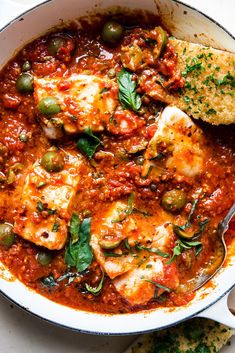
x: 221, y: 251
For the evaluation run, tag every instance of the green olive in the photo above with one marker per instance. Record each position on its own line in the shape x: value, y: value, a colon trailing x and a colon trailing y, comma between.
x: 26, y: 66
x: 153, y: 187
x: 185, y: 235
x: 54, y: 44
x: 174, y: 200
x: 49, y: 106
x: 112, y: 32
x: 24, y: 83
x: 43, y: 258
x: 7, y: 236
x: 23, y: 137
x: 52, y: 162
x: 109, y: 243
x: 139, y: 160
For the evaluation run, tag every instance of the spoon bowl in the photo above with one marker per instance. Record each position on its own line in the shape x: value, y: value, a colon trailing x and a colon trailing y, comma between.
x: 221, y: 252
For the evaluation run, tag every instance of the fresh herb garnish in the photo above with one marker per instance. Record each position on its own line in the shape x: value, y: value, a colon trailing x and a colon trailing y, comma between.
x: 40, y: 206
x: 127, y: 245
x: 80, y: 254
x: 158, y: 157
x: 127, y: 211
x: 152, y: 250
x: 68, y: 275
x: 41, y: 184
x: 95, y: 290
x: 150, y: 41
x: 181, y: 246
x: 202, y: 348
x: 51, y: 211
x: 74, y: 228
x: 157, y: 287
x: 55, y: 227
x: 103, y: 90
x: 193, y: 208
x: 49, y: 281
x: 112, y: 254
x: 144, y: 213
x: 127, y: 91
x: 195, y: 66
x: 88, y: 143
x: 43, y: 207
x: 202, y: 227
x: 211, y: 111
x: 180, y: 230
x: 198, y: 249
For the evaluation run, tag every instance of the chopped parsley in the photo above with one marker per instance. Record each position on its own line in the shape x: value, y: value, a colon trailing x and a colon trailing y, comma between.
x: 55, y: 227
x: 211, y: 111
x: 41, y: 207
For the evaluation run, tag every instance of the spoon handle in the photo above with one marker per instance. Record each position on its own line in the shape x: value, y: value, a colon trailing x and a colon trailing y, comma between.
x: 223, y: 226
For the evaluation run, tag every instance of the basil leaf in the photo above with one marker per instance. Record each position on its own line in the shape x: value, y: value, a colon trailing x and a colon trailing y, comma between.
x: 40, y: 206
x: 88, y: 143
x: 188, y: 223
x: 51, y: 211
x: 80, y: 254
x: 129, y: 209
x: 198, y: 249
x: 144, y: 213
x: 68, y: 275
x: 202, y: 227
x: 153, y: 250
x: 181, y: 246
x: 167, y: 289
x: 49, y: 281
x: 190, y: 244
x: 176, y: 252
x: 55, y: 227
x: 74, y: 228
x: 127, y: 91
x: 127, y: 245
x: 95, y: 290
x: 112, y: 254
x: 157, y: 285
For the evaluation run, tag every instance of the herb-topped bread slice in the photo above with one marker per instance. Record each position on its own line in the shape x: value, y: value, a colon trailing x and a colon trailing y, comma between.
x: 197, y: 79
x: 194, y: 336
x: 209, y: 75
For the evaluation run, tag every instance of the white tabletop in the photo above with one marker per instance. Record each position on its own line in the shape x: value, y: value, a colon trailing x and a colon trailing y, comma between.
x: 23, y: 333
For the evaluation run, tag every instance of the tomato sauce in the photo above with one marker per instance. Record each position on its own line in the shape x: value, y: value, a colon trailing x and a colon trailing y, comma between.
x: 114, y: 172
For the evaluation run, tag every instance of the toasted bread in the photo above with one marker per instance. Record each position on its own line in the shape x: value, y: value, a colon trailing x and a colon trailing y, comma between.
x: 209, y: 74
x: 196, y: 335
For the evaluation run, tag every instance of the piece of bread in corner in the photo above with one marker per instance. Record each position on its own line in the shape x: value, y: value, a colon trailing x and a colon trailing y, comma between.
x: 194, y: 336
x: 209, y: 75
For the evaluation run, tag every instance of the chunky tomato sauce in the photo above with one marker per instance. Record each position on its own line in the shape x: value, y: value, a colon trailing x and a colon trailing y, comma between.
x: 135, y: 186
